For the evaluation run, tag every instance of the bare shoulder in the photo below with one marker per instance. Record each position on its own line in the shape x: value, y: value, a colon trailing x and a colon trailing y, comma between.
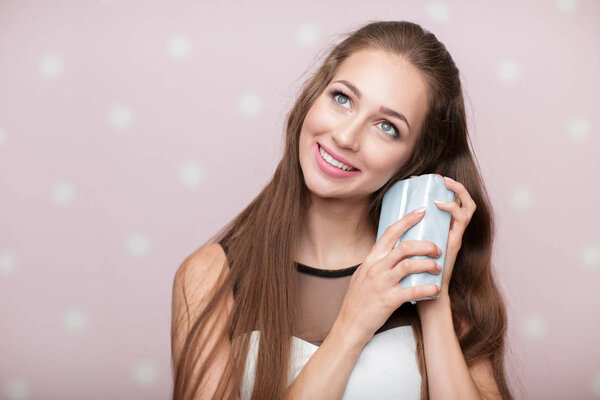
x: 193, y: 288
x: 196, y: 281
x: 199, y: 272
x: 204, y: 259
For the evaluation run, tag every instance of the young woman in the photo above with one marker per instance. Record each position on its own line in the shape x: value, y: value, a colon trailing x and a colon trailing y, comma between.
x: 295, y: 299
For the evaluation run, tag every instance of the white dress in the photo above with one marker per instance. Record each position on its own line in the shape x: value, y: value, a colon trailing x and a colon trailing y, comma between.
x: 387, y: 366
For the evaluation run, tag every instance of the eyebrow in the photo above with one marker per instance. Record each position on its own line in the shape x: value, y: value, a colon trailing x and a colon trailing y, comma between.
x: 382, y: 109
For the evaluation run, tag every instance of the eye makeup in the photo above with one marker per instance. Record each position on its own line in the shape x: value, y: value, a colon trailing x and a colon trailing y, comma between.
x: 337, y: 92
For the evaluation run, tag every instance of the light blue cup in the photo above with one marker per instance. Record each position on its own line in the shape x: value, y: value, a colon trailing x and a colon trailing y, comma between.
x: 404, y: 197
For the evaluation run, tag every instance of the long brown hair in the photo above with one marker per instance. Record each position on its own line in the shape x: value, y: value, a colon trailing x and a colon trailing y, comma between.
x: 261, y: 240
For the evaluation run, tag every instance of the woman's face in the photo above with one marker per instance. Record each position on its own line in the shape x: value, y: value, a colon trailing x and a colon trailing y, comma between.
x: 354, y: 125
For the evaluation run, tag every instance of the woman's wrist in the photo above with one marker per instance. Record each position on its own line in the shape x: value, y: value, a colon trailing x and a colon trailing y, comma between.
x: 348, y: 336
x: 432, y: 307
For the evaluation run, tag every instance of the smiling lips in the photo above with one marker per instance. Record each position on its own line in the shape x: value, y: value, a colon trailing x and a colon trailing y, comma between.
x: 336, y: 157
x: 331, y: 170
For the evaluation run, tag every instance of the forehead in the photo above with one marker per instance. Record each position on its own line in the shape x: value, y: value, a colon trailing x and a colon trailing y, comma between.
x: 372, y: 61
x: 386, y: 79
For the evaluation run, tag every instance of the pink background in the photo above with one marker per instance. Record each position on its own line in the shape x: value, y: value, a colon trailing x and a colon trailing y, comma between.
x: 130, y: 131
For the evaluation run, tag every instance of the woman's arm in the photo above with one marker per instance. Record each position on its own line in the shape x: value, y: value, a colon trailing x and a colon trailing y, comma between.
x: 447, y: 371
x: 193, y: 287
x: 326, y: 373
x: 448, y: 375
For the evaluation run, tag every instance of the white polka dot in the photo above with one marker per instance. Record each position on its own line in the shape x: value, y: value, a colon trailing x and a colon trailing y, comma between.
x: 534, y: 327
x: 7, y: 262
x: 138, y: 245
x: 145, y: 373
x: 17, y: 389
x: 2, y: 135
x: 590, y: 256
x: 565, y: 6
x: 179, y: 47
x: 521, y: 198
x: 508, y: 71
x: 307, y: 34
x: 120, y: 116
x: 249, y: 104
x: 74, y: 320
x: 52, y: 66
x: 579, y: 128
x: 63, y: 193
x: 438, y: 11
x: 596, y: 383
x: 191, y: 174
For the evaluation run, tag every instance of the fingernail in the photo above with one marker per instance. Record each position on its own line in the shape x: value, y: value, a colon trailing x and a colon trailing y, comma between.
x: 449, y: 179
x: 439, y: 267
x: 419, y: 211
x: 438, y: 202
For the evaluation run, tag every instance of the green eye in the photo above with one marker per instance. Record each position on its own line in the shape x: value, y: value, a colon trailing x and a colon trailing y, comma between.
x: 336, y: 93
x: 389, y: 124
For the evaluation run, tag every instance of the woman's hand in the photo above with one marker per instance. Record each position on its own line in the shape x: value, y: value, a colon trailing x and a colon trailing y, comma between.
x: 374, y: 292
x: 462, y: 210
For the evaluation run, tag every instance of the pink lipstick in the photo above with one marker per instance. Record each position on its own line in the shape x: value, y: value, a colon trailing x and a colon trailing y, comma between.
x: 329, y: 169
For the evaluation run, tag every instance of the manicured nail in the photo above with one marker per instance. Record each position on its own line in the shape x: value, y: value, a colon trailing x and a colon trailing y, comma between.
x: 449, y: 179
x: 419, y: 211
x: 439, y: 267
x: 439, y: 202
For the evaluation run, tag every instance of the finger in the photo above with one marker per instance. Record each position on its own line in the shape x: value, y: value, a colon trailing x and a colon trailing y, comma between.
x: 459, y: 214
x: 413, y: 266
x: 403, y: 295
x: 407, y: 249
x: 463, y: 196
x: 451, y: 188
x: 392, y: 234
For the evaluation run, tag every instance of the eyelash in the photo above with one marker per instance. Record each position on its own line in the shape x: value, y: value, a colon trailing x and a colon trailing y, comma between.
x: 336, y: 92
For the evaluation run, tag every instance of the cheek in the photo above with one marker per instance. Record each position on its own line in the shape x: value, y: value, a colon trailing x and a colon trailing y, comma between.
x: 380, y: 156
x: 319, y: 119
x: 316, y: 123
x: 386, y: 164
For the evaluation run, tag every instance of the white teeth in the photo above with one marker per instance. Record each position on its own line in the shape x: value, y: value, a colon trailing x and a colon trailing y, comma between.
x: 333, y: 161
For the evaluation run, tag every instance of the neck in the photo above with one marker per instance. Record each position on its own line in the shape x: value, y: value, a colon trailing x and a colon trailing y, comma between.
x: 335, y: 233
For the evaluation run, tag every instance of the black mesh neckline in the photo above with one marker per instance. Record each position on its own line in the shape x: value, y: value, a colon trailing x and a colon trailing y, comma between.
x: 327, y: 273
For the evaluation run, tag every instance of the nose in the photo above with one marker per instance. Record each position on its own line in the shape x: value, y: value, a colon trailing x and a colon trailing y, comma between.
x: 348, y: 136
